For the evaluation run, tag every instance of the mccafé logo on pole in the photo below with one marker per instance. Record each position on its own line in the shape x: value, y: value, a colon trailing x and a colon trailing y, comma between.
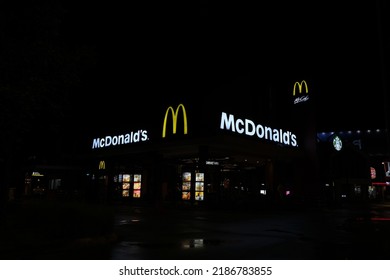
x: 174, y: 114
x: 303, y: 96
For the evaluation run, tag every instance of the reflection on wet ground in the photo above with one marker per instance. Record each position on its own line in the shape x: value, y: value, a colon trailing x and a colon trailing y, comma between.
x: 193, y: 243
x: 321, y: 234
x: 348, y: 232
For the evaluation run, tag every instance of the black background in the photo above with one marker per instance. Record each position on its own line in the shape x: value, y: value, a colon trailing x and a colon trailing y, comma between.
x: 152, y: 53
x: 141, y: 55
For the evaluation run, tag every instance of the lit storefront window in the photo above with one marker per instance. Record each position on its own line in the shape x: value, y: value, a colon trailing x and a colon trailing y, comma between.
x: 186, y: 186
x: 129, y: 184
x: 373, y: 172
x: 199, y: 186
x: 137, y: 186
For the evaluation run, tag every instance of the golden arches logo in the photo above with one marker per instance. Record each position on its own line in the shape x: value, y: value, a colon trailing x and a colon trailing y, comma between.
x: 102, y: 165
x: 174, y: 119
x: 300, y: 85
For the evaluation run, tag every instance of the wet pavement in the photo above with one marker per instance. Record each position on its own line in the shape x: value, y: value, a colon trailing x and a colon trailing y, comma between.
x: 350, y: 231
x: 347, y: 232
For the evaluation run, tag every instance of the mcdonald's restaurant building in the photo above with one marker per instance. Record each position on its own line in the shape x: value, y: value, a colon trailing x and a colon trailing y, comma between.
x: 246, y: 150
x: 207, y: 152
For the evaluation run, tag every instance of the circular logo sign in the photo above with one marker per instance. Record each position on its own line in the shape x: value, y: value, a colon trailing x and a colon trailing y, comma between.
x: 337, y: 143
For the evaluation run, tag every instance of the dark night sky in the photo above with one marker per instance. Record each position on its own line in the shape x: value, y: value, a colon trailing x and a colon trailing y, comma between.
x: 147, y: 53
x: 334, y: 45
x: 170, y: 51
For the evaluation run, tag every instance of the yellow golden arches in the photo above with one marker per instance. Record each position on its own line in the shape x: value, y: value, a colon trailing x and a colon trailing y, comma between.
x: 174, y: 119
x: 300, y: 85
x: 102, y: 165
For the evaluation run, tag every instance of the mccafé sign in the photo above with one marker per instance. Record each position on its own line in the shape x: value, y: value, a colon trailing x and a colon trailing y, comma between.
x: 301, y: 91
x: 250, y: 128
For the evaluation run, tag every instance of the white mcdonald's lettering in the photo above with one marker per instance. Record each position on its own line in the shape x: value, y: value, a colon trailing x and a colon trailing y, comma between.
x: 250, y: 128
x: 174, y: 119
x: 300, y: 85
x: 132, y: 137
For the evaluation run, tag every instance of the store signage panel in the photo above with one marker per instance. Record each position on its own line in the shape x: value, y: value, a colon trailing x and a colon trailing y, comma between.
x: 250, y: 128
x: 142, y: 135
x: 337, y: 143
x: 102, y: 165
x: 174, y: 114
x: 128, y: 138
x: 227, y: 122
x: 302, y: 96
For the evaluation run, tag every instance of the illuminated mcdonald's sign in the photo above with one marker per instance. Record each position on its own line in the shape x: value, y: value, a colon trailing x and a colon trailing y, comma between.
x: 300, y: 85
x: 102, y: 165
x: 174, y: 119
x: 301, y: 98
x: 140, y: 135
